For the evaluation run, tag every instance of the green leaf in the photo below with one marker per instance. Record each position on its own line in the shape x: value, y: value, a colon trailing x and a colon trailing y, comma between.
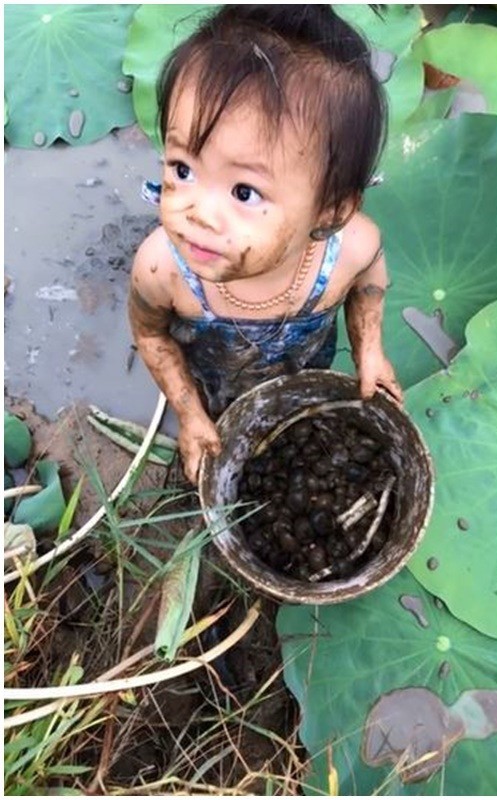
x: 436, y: 212
x: 130, y: 436
x: 435, y: 105
x: 178, y: 593
x: 393, y: 31
x: 44, y: 511
x: 68, y: 515
x: 154, y: 33
x: 380, y: 682
x: 404, y: 89
x: 17, y: 440
x: 63, y: 72
x: 461, y: 434
x: 67, y: 769
x: 18, y: 536
x: 467, y: 51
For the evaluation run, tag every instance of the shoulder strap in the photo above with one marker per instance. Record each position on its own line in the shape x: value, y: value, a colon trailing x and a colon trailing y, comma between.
x: 330, y: 258
x: 193, y: 282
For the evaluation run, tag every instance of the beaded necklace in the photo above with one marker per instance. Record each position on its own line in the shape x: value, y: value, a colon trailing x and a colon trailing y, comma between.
x: 288, y: 295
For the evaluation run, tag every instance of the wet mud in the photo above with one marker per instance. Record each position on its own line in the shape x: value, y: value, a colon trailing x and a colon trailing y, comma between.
x: 413, y: 728
x: 73, y: 220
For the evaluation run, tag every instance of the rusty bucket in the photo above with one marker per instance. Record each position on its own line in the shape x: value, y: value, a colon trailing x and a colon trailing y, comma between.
x: 249, y: 420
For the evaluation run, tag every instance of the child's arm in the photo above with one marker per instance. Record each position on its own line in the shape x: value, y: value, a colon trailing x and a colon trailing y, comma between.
x: 150, y: 302
x: 363, y: 317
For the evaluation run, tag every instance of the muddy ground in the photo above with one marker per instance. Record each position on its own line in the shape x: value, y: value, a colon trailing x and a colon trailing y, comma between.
x: 73, y: 220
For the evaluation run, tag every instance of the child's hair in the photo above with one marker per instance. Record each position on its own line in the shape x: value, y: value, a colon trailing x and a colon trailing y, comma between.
x: 301, y: 62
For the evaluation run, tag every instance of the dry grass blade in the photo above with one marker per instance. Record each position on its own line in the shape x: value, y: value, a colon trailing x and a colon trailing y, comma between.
x: 98, y: 688
x: 17, y: 491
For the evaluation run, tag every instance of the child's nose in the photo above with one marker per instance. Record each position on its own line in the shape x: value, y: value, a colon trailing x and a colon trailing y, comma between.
x: 205, y: 212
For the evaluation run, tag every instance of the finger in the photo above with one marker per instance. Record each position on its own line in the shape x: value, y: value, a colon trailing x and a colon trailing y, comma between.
x: 214, y: 448
x: 394, y: 390
x: 367, y: 388
x: 191, y: 463
x: 191, y: 470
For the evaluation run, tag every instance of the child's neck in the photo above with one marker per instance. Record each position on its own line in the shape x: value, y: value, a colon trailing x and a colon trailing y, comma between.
x: 277, y: 287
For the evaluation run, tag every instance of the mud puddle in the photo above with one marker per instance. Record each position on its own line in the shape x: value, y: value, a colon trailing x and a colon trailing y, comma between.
x: 73, y: 220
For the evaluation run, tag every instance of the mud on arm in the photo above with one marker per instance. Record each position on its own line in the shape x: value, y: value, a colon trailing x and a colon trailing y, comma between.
x: 166, y: 362
x: 363, y: 317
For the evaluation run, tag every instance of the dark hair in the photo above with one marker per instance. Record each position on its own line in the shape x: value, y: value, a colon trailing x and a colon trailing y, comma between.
x: 303, y: 62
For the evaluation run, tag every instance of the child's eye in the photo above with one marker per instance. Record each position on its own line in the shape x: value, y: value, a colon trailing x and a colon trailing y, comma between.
x: 246, y: 194
x: 181, y: 171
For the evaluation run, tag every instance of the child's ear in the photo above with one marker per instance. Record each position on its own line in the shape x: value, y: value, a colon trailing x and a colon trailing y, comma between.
x: 333, y: 219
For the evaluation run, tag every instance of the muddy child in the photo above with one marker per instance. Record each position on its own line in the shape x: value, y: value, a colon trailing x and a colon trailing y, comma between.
x: 272, y: 122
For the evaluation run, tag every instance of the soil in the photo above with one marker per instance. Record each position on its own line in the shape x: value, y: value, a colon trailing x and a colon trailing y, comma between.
x: 84, y: 616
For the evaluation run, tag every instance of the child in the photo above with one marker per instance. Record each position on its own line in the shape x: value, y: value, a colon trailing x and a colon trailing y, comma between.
x: 272, y: 122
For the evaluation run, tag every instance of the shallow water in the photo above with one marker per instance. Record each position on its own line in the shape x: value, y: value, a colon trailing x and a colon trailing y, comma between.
x: 73, y: 218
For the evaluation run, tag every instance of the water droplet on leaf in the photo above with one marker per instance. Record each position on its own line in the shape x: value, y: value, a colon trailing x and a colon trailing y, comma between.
x: 463, y: 524
x: 415, y: 606
x: 125, y: 85
x: 76, y: 123
x: 444, y: 670
x: 433, y: 563
x: 39, y: 139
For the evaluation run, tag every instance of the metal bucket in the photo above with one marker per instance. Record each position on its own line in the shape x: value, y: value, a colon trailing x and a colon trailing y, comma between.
x: 252, y: 416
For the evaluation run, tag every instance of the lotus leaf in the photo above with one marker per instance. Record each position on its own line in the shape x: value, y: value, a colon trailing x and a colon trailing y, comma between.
x: 17, y: 440
x: 63, y: 75
x: 397, y: 686
x: 456, y: 410
x: 436, y: 213
x: 18, y: 536
x: 154, y: 33
x: 44, y: 510
x: 468, y: 51
x: 435, y: 105
x: 393, y: 29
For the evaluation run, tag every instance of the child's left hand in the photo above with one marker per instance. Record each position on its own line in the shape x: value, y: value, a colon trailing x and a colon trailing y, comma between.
x: 375, y: 370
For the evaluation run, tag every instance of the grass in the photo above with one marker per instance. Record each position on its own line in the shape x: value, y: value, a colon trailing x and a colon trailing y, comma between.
x: 72, y: 621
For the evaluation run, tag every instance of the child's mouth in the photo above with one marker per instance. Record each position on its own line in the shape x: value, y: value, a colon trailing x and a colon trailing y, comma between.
x: 202, y: 253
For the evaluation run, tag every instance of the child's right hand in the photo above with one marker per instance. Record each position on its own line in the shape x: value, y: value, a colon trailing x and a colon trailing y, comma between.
x: 196, y: 436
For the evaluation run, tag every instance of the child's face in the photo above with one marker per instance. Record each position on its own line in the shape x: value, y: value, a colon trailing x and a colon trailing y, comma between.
x: 244, y: 206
